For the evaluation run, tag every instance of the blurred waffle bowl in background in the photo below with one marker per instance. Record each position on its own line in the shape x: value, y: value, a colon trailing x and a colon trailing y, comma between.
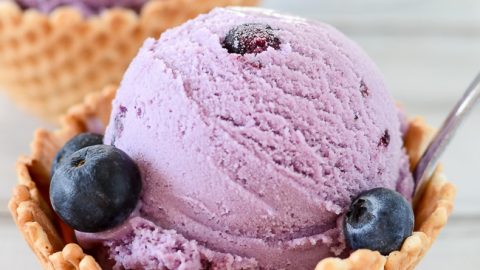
x: 49, y: 62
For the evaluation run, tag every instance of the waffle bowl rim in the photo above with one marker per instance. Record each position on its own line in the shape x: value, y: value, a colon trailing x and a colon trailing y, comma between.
x: 13, y: 9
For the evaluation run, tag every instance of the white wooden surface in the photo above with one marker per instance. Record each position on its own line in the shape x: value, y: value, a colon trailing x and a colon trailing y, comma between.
x: 428, y: 51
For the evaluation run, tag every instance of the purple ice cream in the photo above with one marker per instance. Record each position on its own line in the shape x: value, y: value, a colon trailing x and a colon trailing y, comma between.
x: 249, y: 155
x: 87, y: 7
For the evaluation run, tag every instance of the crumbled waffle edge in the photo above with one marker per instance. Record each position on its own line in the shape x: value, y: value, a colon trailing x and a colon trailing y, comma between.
x: 53, y: 242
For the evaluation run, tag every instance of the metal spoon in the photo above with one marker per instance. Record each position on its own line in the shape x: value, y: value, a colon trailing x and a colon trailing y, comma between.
x: 428, y: 161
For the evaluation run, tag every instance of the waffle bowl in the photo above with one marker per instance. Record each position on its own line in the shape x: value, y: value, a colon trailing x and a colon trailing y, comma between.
x: 54, y: 243
x: 50, y: 62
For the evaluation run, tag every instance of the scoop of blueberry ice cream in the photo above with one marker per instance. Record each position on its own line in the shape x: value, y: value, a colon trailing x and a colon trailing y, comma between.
x: 253, y: 132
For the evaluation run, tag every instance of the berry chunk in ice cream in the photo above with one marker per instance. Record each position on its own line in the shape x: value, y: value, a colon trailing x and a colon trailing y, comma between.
x: 250, y: 38
x: 250, y: 153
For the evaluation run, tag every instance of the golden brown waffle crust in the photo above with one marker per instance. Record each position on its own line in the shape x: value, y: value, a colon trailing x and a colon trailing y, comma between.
x: 49, y: 62
x: 50, y: 240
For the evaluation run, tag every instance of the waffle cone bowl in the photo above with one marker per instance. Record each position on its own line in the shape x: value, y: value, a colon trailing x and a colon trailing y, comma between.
x: 50, y: 62
x: 54, y: 243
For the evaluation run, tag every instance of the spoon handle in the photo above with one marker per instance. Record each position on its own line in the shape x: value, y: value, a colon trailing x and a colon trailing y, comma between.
x: 435, y: 149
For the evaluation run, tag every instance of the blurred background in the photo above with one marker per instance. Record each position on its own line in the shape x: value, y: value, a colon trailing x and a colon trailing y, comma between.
x: 429, y: 51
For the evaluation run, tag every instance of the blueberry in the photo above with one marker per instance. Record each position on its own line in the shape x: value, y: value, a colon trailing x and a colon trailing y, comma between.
x: 78, y: 142
x: 378, y: 219
x: 250, y: 38
x: 95, y: 188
